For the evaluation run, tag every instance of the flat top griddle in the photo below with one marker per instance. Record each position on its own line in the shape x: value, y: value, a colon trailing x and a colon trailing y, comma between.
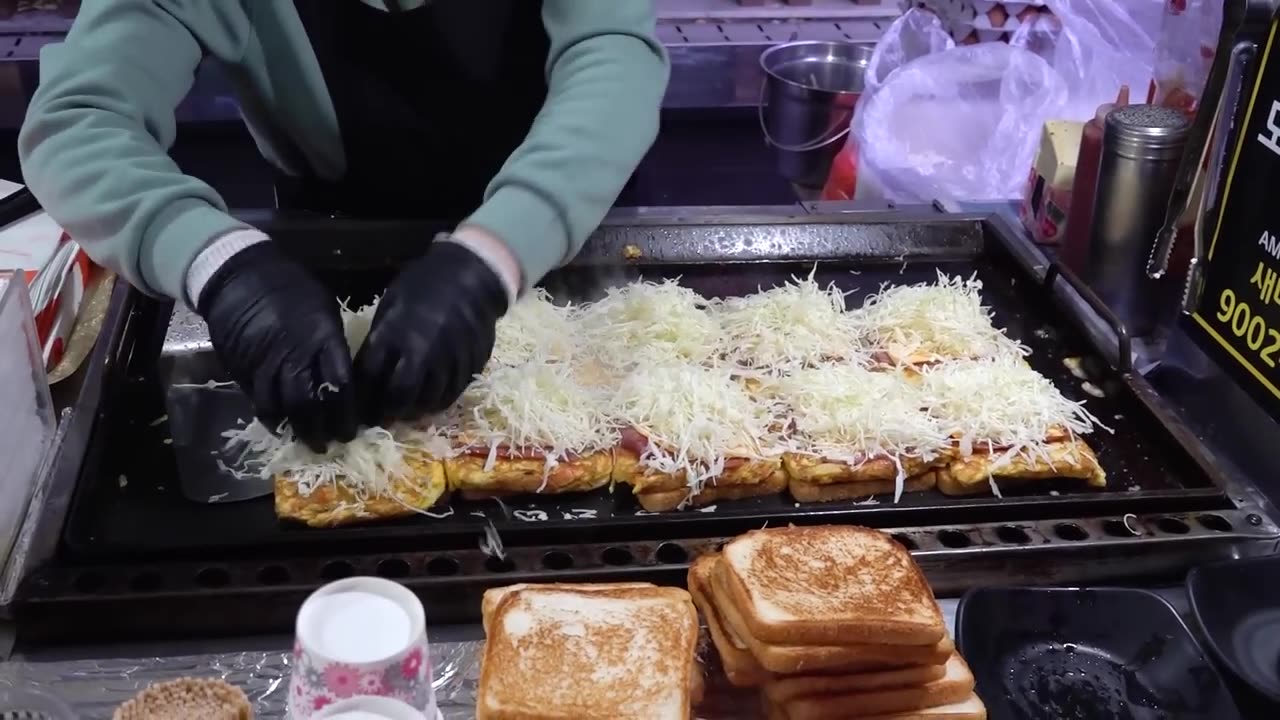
x: 146, y: 516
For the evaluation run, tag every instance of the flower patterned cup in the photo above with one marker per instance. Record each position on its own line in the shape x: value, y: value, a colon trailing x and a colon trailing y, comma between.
x: 362, y: 636
x: 365, y: 706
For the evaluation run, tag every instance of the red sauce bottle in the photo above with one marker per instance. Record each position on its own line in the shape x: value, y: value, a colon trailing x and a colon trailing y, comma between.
x: 1075, y: 245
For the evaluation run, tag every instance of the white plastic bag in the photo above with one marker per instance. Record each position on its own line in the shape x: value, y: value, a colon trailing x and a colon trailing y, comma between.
x: 1128, y: 26
x: 948, y: 123
x: 1097, y: 46
x: 913, y: 35
x: 960, y: 124
x: 1184, y: 53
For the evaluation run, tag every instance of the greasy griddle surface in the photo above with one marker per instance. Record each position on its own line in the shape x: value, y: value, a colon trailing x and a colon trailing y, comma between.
x: 1147, y: 470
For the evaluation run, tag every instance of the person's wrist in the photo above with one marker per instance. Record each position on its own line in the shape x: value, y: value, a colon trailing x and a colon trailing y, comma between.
x: 495, y: 253
x: 214, y: 255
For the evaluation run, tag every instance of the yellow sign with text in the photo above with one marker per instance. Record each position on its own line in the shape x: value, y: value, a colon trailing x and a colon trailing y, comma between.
x: 1240, y: 306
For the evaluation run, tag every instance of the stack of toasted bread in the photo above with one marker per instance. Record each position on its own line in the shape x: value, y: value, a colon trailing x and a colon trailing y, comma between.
x: 609, y: 651
x: 832, y: 622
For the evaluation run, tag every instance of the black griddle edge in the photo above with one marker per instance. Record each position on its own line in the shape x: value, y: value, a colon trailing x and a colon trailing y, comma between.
x: 257, y: 589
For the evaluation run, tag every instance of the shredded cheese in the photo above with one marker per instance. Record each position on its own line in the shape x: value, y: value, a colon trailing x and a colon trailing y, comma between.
x: 367, y: 465
x: 709, y: 381
x: 695, y: 418
x: 536, y: 406
x: 796, y: 325
x: 649, y: 322
x: 851, y: 414
x: 942, y: 320
x: 1000, y: 402
x: 848, y: 413
x: 535, y: 329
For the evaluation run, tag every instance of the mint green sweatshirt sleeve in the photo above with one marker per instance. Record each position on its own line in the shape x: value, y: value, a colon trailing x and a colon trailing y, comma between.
x: 607, y: 73
x: 95, y: 141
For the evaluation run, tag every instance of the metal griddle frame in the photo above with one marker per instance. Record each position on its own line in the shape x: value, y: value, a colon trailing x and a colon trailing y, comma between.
x: 237, y: 593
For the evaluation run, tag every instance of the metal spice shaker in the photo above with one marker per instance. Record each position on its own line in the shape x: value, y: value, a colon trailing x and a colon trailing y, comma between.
x: 1141, y: 148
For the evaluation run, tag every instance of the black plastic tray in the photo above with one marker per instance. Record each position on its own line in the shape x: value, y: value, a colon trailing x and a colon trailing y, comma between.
x: 1081, y: 654
x: 1148, y: 469
x: 1237, y: 605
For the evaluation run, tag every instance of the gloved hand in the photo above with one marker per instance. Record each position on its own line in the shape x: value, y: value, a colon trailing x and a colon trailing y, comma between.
x: 433, y: 331
x: 279, y: 334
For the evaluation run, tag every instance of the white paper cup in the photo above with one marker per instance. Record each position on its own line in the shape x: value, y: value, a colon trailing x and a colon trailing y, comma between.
x: 360, y: 637
x: 372, y: 708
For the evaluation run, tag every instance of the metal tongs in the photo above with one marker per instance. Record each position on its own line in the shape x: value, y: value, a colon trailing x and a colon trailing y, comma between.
x: 1214, y: 116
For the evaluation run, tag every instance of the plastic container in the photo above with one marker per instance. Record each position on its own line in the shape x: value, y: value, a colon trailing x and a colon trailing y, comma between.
x: 27, y: 425
x: 1242, y: 629
x: 1086, y: 653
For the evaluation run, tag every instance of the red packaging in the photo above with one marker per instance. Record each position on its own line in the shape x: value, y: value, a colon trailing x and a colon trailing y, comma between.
x: 843, y: 179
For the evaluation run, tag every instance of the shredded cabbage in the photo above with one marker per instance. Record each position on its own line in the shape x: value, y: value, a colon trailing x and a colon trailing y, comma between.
x: 943, y: 320
x: 648, y: 322
x: 799, y: 324
x: 781, y: 370
x: 696, y: 418
x: 1001, y: 402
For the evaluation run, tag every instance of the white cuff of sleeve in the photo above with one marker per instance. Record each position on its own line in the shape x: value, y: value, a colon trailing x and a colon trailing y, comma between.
x: 490, y: 248
x: 214, y: 255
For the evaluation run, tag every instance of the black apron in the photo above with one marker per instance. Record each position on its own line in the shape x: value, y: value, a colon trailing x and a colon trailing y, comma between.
x: 430, y: 102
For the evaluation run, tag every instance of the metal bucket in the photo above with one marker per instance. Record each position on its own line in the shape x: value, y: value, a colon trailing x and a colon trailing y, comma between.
x: 807, y: 101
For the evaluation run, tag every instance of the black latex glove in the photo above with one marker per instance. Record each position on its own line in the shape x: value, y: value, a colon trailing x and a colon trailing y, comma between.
x: 279, y: 334
x: 433, y: 332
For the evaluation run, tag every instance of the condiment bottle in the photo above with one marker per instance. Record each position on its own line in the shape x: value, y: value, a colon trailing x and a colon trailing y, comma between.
x: 1075, y: 246
x: 1142, y: 147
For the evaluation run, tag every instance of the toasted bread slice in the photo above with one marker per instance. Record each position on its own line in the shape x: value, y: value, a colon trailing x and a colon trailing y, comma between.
x: 740, y: 666
x: 795, y: 659
x: 1070, y: 459
x: 781, y: 690
x: 664, y: 500
x: 556, y: 654
x: 970, y: 708
x: 804, y: 491
x: 334, y: 504
x: 815, y: 470
x: 738, y: 471
x: 954, y: 687
x: 512, y: 475
x: 829, y: 585
x: 493, y: 596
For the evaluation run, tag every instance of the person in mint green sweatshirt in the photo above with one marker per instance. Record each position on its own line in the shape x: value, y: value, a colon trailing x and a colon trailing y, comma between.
x: 522, y: 119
